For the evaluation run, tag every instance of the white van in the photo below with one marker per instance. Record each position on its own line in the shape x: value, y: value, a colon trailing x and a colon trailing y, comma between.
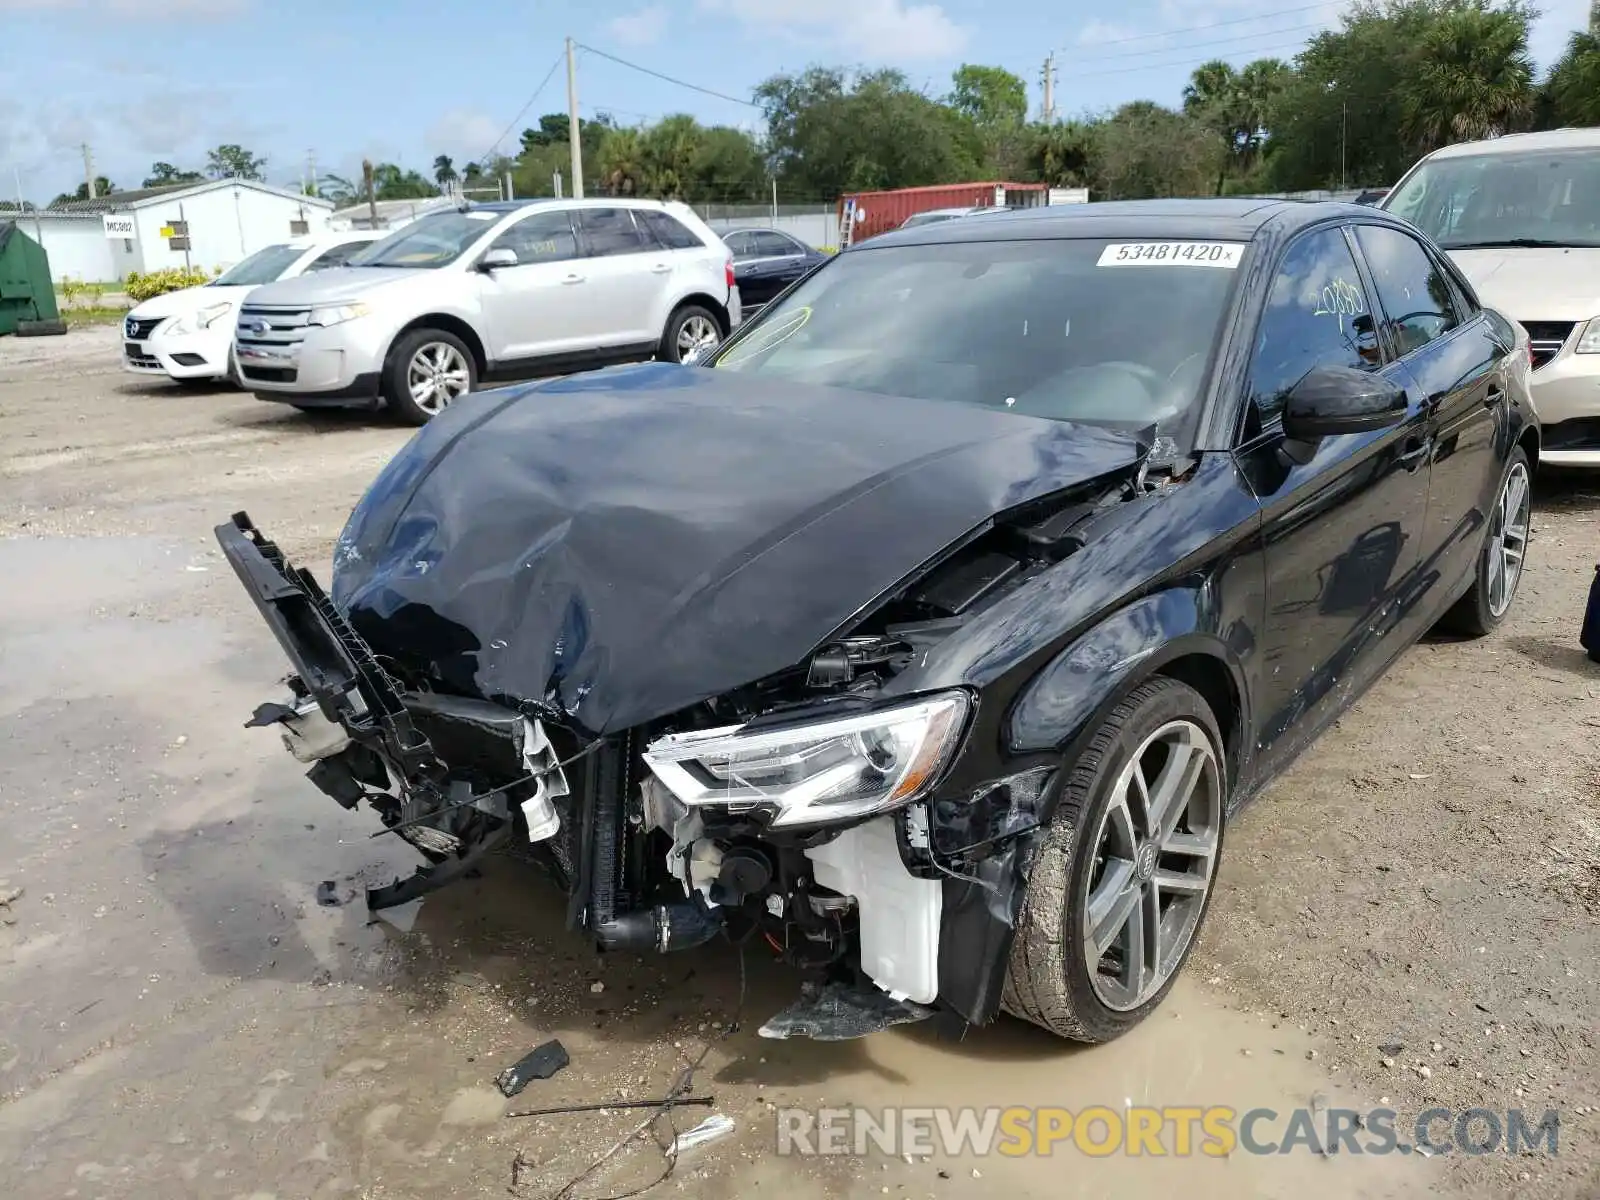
x: 1520, y: 215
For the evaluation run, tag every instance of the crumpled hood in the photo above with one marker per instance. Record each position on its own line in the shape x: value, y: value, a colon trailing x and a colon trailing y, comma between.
x: 621, y: 544
x: 1529, y: 283
x: 334, y: 287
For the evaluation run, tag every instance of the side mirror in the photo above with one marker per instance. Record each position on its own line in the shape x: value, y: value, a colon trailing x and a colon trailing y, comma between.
x: 1330, y: 401
x: 495, y: 259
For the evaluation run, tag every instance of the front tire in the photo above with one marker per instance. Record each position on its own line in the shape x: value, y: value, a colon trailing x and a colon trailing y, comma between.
x: 427, y: 371
x: 690, y: 327
x: 1505, y: 546
x: 1121, y: 886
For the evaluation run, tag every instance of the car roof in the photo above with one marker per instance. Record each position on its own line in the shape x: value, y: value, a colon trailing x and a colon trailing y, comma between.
x: 1221, y: 220
x: 511, y: 206
x: 1513, y: 143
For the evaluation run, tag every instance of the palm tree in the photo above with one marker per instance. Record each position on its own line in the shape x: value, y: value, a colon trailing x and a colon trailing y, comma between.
x: 1573, y: 89
x: 444, y: 171
x: 1473, y: 79
x: 621, y: 162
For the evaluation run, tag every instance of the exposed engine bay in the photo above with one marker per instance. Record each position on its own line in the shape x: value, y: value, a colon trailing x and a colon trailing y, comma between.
x: 800, y: 806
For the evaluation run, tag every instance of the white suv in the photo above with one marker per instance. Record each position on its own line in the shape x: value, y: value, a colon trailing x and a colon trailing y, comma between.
x: 490, y: 292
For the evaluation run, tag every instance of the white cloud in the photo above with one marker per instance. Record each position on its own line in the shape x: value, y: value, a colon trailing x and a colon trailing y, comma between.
x: 462, y: 133
x: 640, y: 28
x: 894, y: 30
x: 1096, y: 32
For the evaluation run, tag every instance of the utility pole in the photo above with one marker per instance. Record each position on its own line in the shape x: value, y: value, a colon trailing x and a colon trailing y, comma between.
x: 1344, y: 121
x: 573, y: 129
x: 88, y: 170
x: 1049, y: 113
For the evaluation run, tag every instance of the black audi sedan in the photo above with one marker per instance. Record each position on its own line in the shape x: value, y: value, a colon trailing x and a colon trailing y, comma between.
x: 930, y: 632
x: 765, y: 261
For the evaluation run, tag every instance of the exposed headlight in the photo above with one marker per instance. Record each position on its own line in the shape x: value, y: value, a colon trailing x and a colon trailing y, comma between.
x: 337, y: 314
x: 828, y: 770
x: 1589, y: 340
x: 207, y: 316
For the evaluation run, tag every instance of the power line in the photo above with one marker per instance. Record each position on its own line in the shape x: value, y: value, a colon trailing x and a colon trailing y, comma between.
x: 543, y: 83
x: 1238, y: 37
x: 1192, y: 62
x: 1266, y: 16
x: 693, y: 87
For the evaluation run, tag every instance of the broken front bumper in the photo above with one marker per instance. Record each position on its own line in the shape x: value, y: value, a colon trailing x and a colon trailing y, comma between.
x: 443, y: 772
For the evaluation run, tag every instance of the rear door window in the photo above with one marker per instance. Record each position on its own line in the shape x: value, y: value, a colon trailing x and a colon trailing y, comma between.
x: 669, y: 232
x: 611, y: 231
x: 1317, y: 314
x: 774, y: 245
x: 1419, y: 304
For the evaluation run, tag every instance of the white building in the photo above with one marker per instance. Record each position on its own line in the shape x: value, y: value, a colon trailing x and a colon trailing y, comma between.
x: 227, y: 219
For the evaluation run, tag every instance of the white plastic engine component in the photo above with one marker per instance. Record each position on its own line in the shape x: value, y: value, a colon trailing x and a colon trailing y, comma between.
x: 549, y: 781
x: 310, y: 736
x: 899, y: 913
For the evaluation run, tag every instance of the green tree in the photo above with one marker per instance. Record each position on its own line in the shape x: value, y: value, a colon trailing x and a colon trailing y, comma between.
x: 1472, y: 77
x: 1237, y: 107
x: 829, y: 133
x: 1572, y: 92
x: 232, y: 161
x: 340, y: 190
x: 620, y: 163
x: 989, y: 96
x: 1144, y: 150
x: 102, y: 187
x: 1063, y: 154
x: 164, y: 173
x: 390, y: 182
x: 444, y: 170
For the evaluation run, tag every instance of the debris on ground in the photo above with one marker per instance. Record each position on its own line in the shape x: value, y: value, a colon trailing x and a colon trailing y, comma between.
x: 328, y: 894
x: 606, y: 1106
x: 540, y: 1063
x: 709, y: 1130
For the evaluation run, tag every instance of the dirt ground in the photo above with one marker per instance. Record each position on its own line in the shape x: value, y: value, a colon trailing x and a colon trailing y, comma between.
x: 179, y: 1016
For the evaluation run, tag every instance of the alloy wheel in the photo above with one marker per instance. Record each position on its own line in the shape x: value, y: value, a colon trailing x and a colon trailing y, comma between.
x: 697, y: 333
x: 1155, y: 852
x: 1508, y: 539
x: 437, y: 374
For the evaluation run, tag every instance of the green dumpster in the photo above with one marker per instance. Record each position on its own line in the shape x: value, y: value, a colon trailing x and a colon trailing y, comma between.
x: 27, y: 297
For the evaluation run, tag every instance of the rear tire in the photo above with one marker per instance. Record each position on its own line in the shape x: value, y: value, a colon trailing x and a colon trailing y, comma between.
x: 428, y: 369
x: 1505, y: 545
x: 690, y: 325
x: 1099, y: 852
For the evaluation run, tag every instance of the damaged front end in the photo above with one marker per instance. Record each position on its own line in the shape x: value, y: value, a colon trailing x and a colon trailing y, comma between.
x: 694, y: 717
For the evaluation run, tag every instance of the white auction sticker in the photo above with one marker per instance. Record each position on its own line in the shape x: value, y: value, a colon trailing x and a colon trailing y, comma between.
x: 1172, y: 254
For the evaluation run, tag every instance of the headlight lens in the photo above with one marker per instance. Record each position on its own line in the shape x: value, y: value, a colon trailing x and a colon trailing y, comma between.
x: 338, y: 314
x: 828, y: 770
x: 209, y: 315
x: 1589, y: 340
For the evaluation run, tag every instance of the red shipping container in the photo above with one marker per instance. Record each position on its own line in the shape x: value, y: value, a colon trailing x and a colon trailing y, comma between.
x: 887, y: 210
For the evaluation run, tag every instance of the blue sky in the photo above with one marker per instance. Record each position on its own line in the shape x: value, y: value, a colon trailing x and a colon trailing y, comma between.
x: 141, y: 80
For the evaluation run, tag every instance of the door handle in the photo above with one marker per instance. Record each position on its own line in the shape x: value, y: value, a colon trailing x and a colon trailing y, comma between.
x: 573, y: 279
x: 1493, y: 397
x: 1416, y: 451
x: 661, y: 268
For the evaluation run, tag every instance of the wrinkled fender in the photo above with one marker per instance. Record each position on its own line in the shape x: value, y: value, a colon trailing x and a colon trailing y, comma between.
x: 1064, y: 704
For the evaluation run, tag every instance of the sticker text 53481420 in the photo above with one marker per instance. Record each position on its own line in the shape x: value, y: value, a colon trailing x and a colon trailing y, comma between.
x: 1172, y: 254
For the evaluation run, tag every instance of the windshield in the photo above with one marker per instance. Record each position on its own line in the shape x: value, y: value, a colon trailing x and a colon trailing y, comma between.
x: 1549, y: 197
x: 432, y: 241
x: 1081, y: 330
x: 263, y: 266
